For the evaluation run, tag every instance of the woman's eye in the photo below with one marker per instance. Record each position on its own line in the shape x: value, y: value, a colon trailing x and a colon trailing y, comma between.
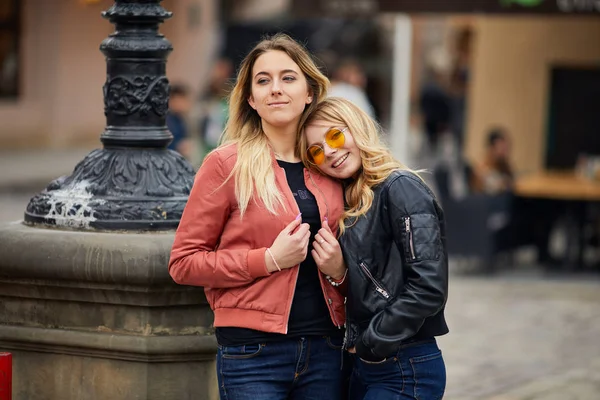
x: 289, y: 78
x: 261, y: 81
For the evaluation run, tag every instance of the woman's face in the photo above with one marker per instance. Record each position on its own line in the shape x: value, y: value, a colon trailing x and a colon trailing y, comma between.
x: 279, y: 89
x: 339, y: 162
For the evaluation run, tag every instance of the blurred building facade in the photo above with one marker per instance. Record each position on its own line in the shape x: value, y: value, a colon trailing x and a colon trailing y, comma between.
x: 509, y: 81
x: 58, y: 100
x: 60, y: 70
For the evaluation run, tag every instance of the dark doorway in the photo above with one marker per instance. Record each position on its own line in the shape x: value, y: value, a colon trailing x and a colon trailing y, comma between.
x: 574, y: 117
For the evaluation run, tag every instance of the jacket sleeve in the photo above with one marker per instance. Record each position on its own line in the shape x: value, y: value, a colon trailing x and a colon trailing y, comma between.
x: 196, y: 258
x: 417, y: 225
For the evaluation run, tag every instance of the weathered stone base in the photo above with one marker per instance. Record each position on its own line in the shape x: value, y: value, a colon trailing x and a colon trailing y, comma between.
x: 96, y: 316
x: 47, y: 376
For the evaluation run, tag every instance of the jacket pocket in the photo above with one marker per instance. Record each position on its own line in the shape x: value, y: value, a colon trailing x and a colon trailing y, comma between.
x: 409, y: 243
x: 241, y: 352
x: 379, y: 288
x: 421, y: 237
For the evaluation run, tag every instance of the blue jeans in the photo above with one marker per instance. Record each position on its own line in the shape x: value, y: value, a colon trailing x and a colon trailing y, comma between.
x: 417, y: 371
x: 300, y: 368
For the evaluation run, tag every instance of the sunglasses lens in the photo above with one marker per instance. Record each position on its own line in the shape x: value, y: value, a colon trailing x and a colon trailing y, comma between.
x: 335, y: 138
x: 316, y: 154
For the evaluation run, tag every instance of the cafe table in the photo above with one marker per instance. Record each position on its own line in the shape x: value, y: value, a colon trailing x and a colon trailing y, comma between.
x: 578, y: 194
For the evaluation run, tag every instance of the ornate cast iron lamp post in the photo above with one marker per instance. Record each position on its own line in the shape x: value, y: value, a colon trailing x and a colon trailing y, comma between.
x: 134, y: 182
x: 97, y: 295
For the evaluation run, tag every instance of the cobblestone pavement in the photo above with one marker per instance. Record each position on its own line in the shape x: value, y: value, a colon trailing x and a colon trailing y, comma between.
x: 523, y: 338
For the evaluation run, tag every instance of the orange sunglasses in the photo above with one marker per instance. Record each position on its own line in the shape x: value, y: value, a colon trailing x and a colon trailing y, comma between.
x: 334, y: 138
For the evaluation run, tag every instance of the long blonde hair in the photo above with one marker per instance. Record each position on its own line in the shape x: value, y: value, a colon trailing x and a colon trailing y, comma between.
x: 377, y: 160
x: 253, y: 170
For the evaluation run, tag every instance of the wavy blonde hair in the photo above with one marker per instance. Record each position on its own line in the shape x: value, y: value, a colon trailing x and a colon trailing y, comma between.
x: 253, y: 170
x: 377, y: 160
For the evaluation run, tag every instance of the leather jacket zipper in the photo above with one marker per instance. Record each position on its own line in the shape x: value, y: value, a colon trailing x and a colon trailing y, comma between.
x: 377, y: 285
x: 335, y: 321
x: 409, y: 234
x: 346, y: 326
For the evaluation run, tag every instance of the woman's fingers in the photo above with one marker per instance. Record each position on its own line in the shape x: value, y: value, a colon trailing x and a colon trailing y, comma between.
x: 306, y: 239
x: 326, y: 236
x: 325, y: 226
x: 319, y: 239
x: 318, y: 248
x: 316, y: 257
x: 323, y: 251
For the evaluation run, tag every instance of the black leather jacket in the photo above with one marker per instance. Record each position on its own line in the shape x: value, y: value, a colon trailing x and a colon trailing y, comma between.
x: 397, y: 269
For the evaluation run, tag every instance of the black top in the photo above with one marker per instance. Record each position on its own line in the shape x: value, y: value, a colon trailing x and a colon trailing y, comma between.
x: 309, y: 315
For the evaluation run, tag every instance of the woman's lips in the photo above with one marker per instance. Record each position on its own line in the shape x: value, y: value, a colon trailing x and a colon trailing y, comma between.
x: 277, y: 104
x: 340, y: 160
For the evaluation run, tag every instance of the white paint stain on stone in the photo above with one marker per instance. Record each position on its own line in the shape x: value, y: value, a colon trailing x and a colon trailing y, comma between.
x: 72, y: 207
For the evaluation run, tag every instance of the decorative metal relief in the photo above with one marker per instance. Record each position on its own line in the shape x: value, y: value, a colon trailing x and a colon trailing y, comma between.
x: 125, y: 96
x: 130, y: 188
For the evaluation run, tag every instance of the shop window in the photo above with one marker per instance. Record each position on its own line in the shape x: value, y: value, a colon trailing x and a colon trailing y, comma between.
x: 573, y: 124
x: 10, y: 30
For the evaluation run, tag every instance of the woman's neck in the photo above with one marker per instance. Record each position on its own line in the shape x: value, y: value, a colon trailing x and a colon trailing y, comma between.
x: 283, y: 142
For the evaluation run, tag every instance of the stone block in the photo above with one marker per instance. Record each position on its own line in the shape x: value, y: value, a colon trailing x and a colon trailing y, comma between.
x: 96, y: 316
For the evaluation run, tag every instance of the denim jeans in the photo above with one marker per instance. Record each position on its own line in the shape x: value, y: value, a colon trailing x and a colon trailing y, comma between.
x: 300, y: 368
x: 417, y: 371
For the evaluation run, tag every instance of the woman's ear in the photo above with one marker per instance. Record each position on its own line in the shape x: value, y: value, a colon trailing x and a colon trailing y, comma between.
x: 251, y: 102
x: 309, y: 94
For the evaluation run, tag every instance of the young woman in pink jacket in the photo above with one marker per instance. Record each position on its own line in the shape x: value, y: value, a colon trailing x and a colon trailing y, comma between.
x: 258, y: 233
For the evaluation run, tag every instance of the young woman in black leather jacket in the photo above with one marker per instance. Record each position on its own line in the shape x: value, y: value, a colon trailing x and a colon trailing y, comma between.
x: 394, y: 250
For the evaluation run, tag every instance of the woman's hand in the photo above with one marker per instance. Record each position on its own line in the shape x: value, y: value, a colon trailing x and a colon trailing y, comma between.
x: 328, y: 254
x: 290, y: 247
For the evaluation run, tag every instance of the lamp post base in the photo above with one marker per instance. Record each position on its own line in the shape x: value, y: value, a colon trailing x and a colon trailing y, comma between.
x: 96, y: 316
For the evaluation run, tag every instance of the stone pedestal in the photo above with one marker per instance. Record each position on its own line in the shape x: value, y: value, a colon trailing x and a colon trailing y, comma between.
x: 96, y: 316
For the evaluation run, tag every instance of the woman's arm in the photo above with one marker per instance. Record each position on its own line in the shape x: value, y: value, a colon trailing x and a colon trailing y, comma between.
x: 196, y: 259
x: 416, y: 220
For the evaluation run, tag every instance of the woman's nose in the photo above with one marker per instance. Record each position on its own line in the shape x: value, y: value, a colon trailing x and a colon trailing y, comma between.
x: 276, y: 87
x: 329, y: 150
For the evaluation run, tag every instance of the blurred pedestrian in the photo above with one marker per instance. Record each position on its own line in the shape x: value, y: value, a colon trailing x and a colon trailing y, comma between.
x: 393, y: 242
x: 179, y: 106
x: 213, y: 106
x: 247, y: 231
x: 531, y: 220
x: 494, y: 174
x: 435, y: 101
x: 459, y: 81
x: 349, y: 82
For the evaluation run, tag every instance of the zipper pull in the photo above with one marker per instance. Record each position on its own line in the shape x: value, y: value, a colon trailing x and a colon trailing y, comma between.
x: 383, y: 292
x: 411, y: 245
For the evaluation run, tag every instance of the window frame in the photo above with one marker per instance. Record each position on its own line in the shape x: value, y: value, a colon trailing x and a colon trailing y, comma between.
x: 12, y: 25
